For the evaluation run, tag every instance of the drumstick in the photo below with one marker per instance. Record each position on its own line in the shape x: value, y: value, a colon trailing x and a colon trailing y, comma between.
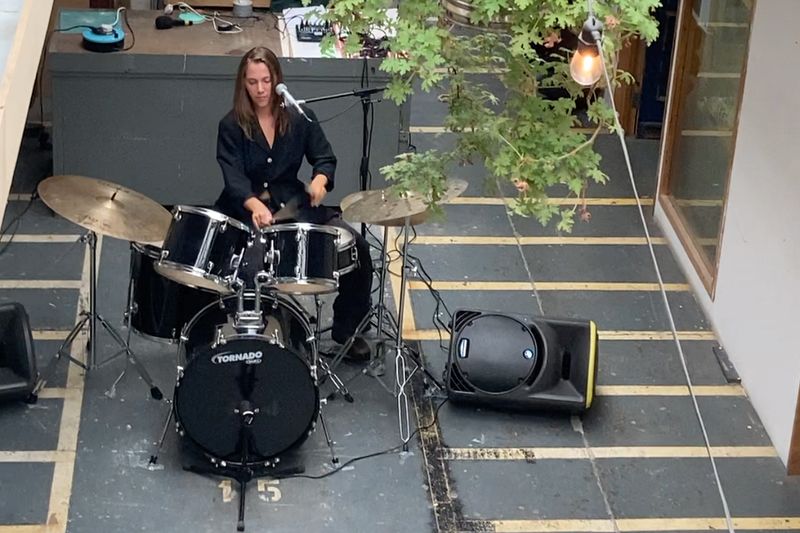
x: 287, y: 212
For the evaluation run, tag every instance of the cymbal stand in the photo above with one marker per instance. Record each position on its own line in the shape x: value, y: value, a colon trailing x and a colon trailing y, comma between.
x: 388, y: 328
x: 379, y: 311
x: 401, y: 376
x: 338, y: 384
x: 92, y: 317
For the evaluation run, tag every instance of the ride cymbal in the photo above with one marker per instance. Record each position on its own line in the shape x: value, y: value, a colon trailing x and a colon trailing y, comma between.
x: 384, y: 208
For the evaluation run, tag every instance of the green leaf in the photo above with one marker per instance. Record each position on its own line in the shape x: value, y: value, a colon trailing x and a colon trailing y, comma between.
x: 517, y: 132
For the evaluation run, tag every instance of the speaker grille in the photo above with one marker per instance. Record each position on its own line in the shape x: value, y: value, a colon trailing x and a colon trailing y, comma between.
x: 493, y: 353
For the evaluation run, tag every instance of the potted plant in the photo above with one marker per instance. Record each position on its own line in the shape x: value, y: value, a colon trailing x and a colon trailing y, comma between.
x: 530, y: 137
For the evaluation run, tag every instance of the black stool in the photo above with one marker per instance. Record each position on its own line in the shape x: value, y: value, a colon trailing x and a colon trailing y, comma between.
x: 17, y: 358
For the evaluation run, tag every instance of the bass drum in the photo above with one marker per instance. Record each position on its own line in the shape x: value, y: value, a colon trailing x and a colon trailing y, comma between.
x: 262, y: 383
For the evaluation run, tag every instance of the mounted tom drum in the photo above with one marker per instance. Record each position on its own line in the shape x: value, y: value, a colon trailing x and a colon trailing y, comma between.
x: 203, y: 249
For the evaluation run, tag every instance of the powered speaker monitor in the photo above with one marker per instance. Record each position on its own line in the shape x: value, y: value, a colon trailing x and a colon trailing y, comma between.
x: 523, y: 363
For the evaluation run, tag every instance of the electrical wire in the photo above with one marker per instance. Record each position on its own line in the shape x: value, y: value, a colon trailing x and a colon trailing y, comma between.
x: 621, y: 135
x: 15, y: 222
x: 85, y: 26
x: 221, y: 25
x: 369, y: 455
x: 419, y: 270
x: 339, y: 114
x: 128, y: 24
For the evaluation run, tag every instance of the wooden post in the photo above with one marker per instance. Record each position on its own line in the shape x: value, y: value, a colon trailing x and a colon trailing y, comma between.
x: 794, y: 444
x: 631, y: 59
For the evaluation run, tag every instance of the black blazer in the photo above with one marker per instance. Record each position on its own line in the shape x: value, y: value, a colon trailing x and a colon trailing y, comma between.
x: 252, y: 167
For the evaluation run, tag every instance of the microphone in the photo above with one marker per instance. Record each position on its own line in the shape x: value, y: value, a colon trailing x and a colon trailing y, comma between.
x: 165, y: 22
x: 288, y: 99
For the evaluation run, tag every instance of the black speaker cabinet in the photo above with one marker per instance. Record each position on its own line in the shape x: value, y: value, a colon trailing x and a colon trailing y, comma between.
x: 523, y: 363
x: 17, y: 360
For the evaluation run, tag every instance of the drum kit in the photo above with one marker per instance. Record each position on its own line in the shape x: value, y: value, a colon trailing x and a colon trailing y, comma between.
x: 249, y: 370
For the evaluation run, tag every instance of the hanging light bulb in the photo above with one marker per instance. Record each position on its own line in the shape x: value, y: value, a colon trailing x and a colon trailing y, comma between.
x: 586, y: 65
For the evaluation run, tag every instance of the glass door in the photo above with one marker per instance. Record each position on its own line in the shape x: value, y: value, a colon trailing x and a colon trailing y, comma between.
x: 706, y: 93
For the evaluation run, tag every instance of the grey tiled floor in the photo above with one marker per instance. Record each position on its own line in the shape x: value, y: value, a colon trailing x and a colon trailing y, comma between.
x: 642, y: 431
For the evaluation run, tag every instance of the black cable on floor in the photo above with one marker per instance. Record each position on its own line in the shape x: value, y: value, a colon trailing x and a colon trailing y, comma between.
x: 16, y: 222
x: 369, y: 455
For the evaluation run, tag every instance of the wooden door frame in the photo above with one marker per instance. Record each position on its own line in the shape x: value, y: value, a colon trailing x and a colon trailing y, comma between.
x: 705, y: 271
x: 793, y: 465
x: 631, y: 59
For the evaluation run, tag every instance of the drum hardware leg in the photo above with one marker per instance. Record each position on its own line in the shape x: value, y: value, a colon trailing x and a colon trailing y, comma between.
x: 338, y: 384
x: 131, y: 358
x: 334, y: 459
x: 323, y: 365
x: 112, y: 390
x: 245, y: 472
x: 91, y: 317
x: 48, y: 371
x: 154, y: 458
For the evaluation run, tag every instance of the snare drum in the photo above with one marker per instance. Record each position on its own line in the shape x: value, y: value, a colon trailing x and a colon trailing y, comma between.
x: 303, y: 258
x: 159, y: 307
x: 203, y: 249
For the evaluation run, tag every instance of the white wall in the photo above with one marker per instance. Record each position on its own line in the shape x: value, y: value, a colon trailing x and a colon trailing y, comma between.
x: 756, y: 310
x: 9, y: 15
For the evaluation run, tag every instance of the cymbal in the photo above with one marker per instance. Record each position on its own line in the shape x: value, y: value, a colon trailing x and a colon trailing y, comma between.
x: 106, y: 208
x: 384, y: 208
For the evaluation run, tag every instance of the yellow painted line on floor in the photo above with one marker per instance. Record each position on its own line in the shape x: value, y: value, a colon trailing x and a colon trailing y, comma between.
x: 24, y: 528
x: 36, y: 456
x: 611, y: 335
x: 409, y: 324
x: 547, y: 286
x: 428, y: 129
x: 605, y: 452
x: 19, y: 197
x: 483, y: 200
x: 54, y: 392
x: 433, y: 335
x: 70, y: 418
x: 63, y: 472
x: 533, y: 241
x: 49, y: 334
x: 642, y: 524
x: 40, y: 284
x: 443, y: 129
x: 669, y: 390
x: 44, y: 238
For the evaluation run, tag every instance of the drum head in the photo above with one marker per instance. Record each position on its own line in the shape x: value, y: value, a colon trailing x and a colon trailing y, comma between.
x: 246, y: 373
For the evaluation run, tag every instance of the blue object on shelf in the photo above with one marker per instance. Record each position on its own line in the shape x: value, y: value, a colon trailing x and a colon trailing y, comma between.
x: 96, y: 40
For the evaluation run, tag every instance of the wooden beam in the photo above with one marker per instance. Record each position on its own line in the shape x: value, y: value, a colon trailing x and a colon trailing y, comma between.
x: 16, y: 84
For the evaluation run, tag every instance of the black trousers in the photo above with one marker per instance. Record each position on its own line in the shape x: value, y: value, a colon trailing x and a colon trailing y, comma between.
x: 353, y: 301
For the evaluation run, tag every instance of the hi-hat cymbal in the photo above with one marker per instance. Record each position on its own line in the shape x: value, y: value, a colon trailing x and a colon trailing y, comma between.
x: 384, y: 208
x: 106, y: 208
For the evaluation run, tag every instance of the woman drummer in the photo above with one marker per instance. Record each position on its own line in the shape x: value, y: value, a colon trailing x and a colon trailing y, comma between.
x: 260, y: 147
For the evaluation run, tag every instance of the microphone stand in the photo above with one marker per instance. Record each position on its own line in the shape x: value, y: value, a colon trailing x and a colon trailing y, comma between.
x: 365, y: 94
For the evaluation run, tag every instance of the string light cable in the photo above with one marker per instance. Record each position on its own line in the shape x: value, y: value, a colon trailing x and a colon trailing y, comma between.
x: 620, y: 134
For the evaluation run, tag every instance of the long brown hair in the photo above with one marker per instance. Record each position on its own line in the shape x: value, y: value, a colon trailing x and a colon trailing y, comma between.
x: 242, y: 105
